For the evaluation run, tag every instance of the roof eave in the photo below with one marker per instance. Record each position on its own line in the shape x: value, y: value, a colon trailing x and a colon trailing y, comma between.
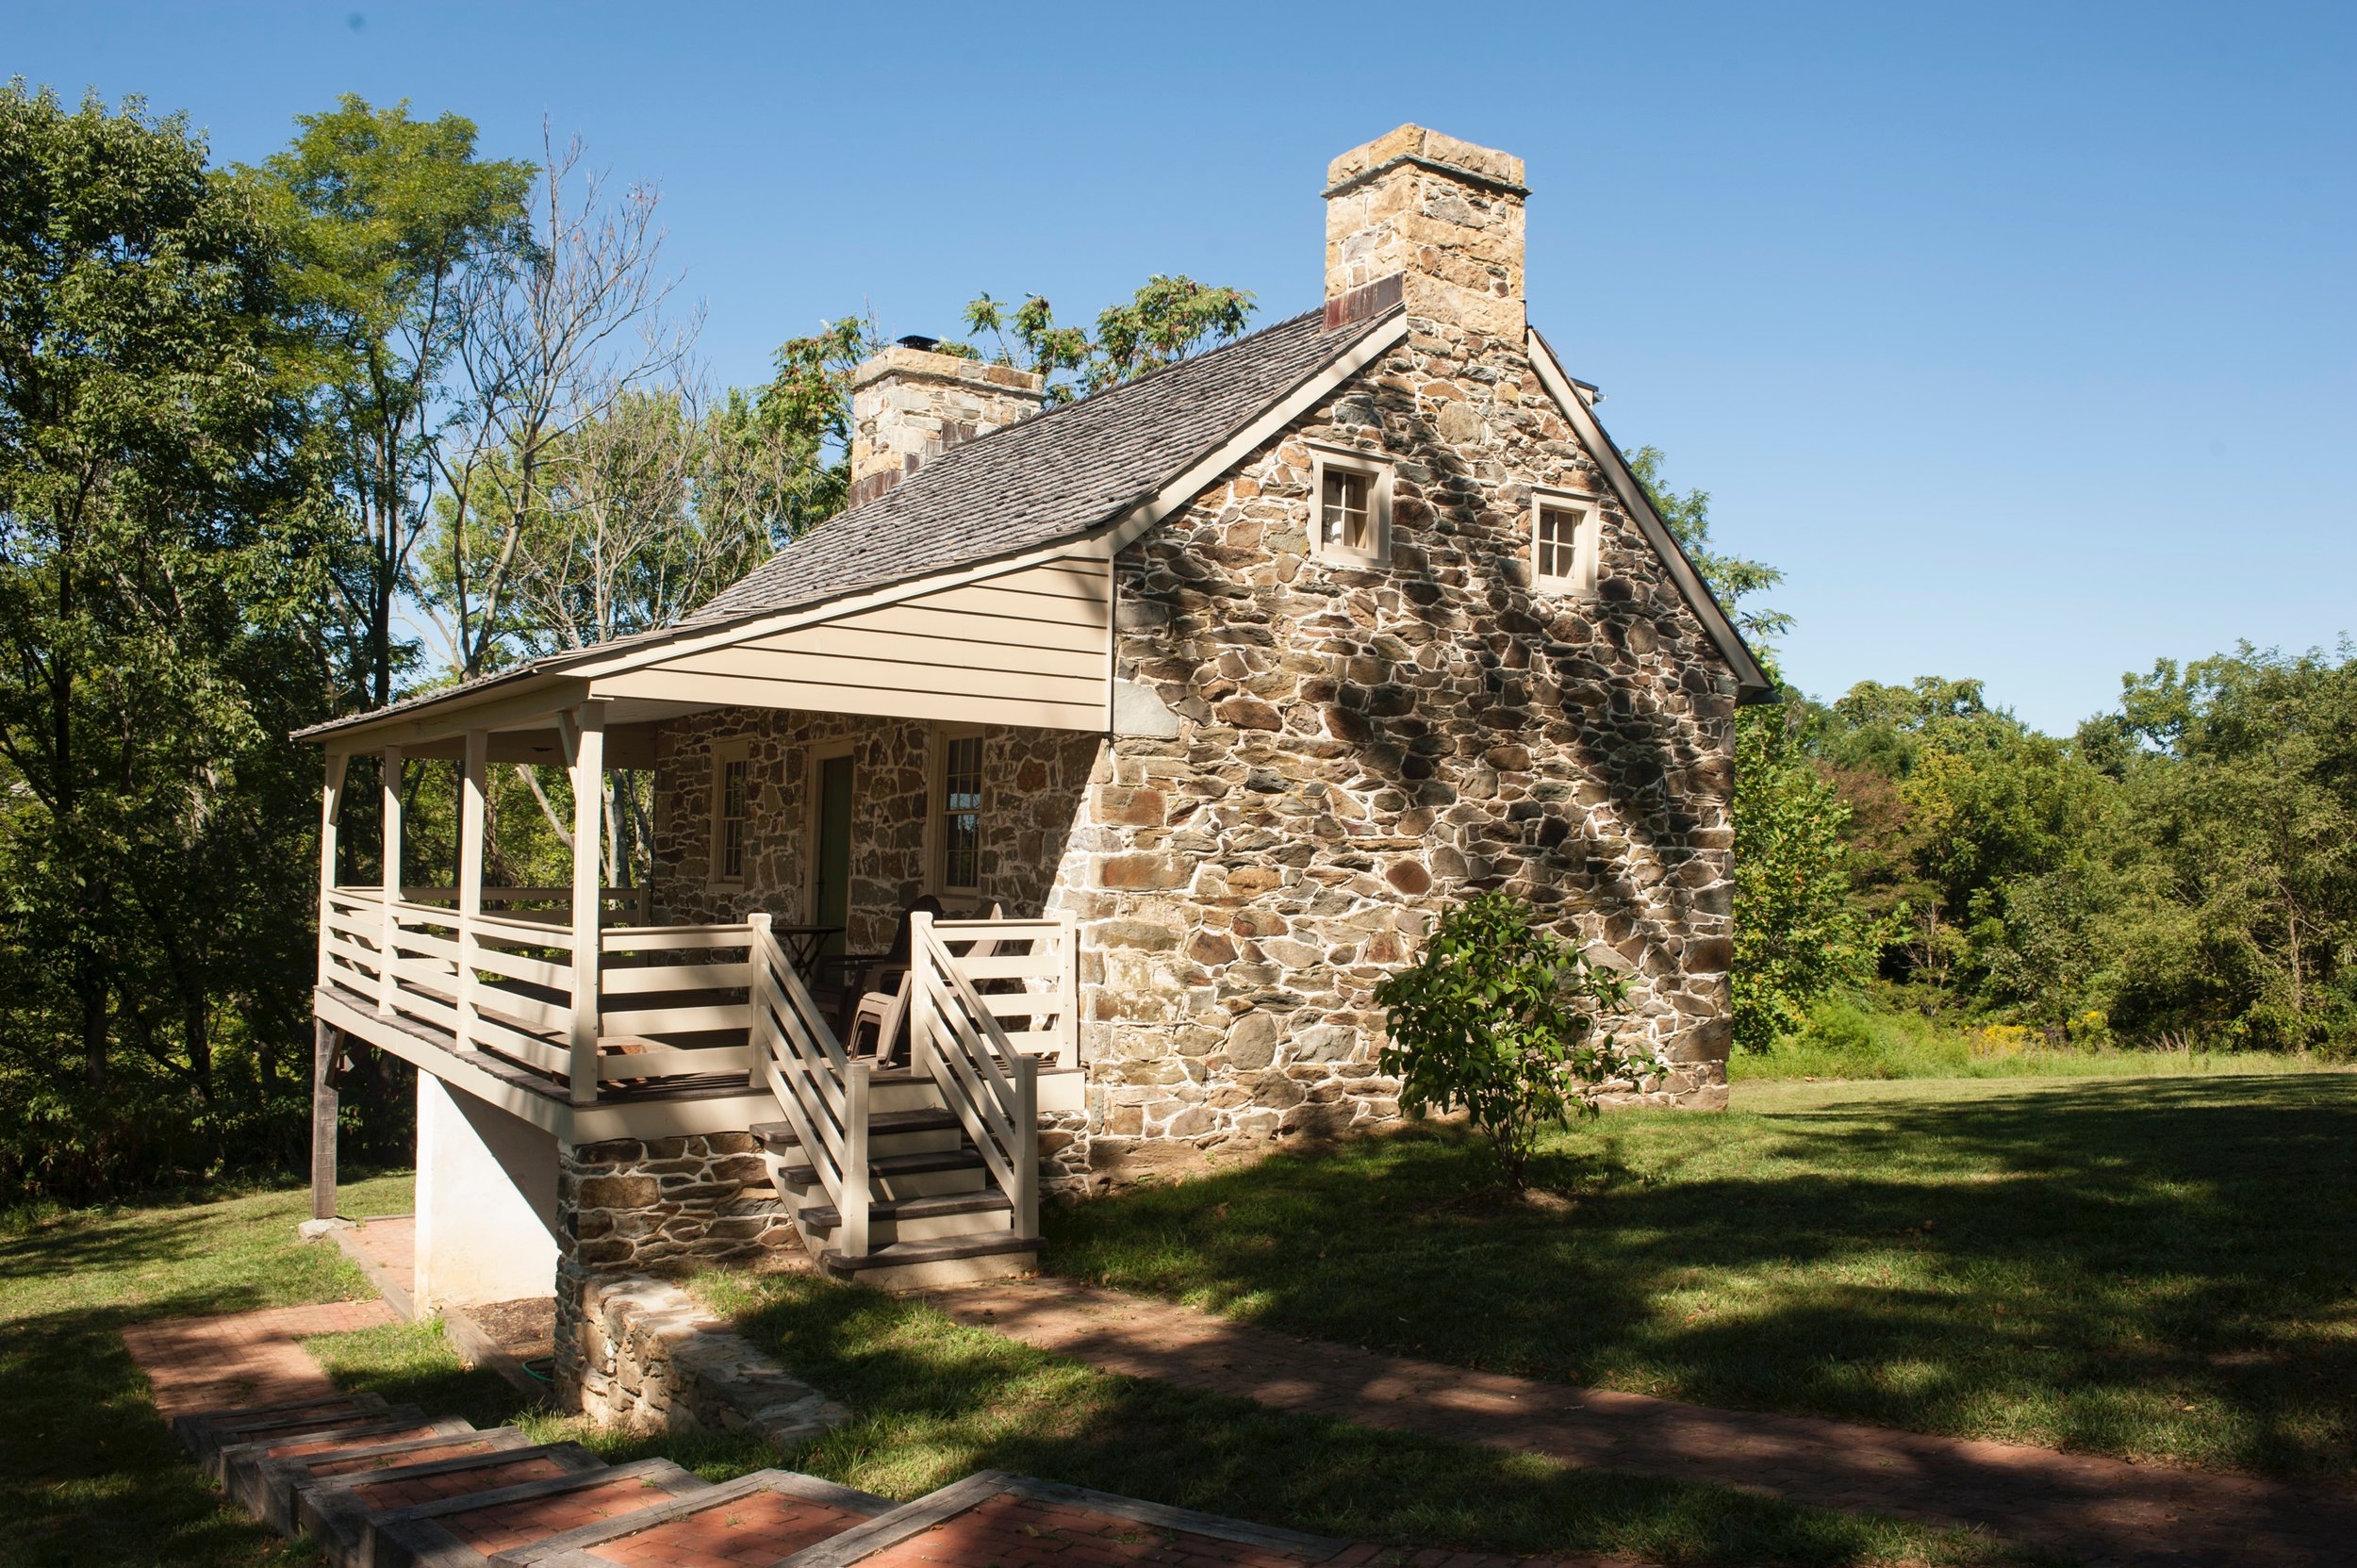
x: 1753, y: 684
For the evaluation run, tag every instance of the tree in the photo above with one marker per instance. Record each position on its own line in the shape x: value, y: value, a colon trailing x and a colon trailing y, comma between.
x: 1503, y: 1020
x: 549, y: 341
x: 393, y: 222
x: 1167, y: 319
x: 1797, y: 935
x: 1732, y: 579
x: 157, y: 562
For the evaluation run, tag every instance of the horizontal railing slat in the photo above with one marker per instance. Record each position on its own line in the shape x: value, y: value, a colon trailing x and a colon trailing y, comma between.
x: 674, y: 977
x: 675, y: 1020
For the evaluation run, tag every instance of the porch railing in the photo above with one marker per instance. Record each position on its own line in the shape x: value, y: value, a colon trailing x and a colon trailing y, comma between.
x: 823, y: 1094
x: 984, y: 1076
x: 671, y: 1004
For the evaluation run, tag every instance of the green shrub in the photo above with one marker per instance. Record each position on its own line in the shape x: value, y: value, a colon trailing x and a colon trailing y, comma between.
x: 1503, y: 1020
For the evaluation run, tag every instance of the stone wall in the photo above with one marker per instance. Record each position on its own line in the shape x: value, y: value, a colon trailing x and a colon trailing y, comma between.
x: 633, y: 1207
x: 1033, y: 786
x: 643, y: 1354
x: 667, y: 1205
x: 1358, y: 746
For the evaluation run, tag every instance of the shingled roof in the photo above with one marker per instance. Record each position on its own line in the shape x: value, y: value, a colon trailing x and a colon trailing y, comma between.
x: 1052, y: 476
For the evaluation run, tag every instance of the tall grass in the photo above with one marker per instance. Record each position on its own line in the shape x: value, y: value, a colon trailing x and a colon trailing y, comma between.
x: 1850, y: 1038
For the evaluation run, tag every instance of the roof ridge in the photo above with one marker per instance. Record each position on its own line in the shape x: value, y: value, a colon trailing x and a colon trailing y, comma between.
x: 1093, y: 400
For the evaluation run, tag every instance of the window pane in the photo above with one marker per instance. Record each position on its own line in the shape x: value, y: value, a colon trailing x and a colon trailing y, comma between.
x: 961, y: 806
x: 732, y: 818
x: 1344, y: 520
x: 1558, y: 543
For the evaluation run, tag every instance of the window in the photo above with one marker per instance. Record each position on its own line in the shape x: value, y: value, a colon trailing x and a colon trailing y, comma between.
x: 731, y: 796
x: 961, y: 797
x: 1565, y: 531
x: 1353, y: 518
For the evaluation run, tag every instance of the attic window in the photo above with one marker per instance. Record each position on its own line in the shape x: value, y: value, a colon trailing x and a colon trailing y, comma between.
x: 1565, y: 537
x: 1352, y: 524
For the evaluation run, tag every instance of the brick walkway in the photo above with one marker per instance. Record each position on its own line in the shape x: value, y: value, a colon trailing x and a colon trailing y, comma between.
x: 201, y: 1363
x: 2102, y: 1510
x: 383, y: 1249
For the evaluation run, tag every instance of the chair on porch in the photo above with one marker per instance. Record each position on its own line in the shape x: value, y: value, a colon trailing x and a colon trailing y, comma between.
x: 887, y: 1011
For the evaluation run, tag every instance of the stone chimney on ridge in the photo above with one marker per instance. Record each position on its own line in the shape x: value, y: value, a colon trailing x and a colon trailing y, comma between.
x: 910, y: 404
x: 1442, y: 216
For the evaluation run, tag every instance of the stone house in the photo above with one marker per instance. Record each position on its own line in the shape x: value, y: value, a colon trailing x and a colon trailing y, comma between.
x: 1214, y: 686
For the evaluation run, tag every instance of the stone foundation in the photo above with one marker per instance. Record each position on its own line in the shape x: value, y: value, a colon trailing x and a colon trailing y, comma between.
x: 626, y: 1344
x: 641, y: 1353
x: 668, y: 1205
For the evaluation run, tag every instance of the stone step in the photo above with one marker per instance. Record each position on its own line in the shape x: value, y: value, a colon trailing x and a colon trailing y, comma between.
x: 762, y: 1518
x: 263, y: 1476
x: 923, y: 1265
x: 204, y: 1435
x: 475, y: 1529
x: 1015, y: 1522
x: 336, y: 1510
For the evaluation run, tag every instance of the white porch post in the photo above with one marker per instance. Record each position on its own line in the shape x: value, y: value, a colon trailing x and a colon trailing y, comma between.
x: 470, y: 819
x: 588, y: 736
x: 385, y: 982
x: 331, y: 802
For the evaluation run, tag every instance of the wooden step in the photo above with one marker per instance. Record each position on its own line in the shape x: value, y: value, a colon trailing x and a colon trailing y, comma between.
x: 916, y: 1265
x: 484, y: 1527
x: 827, y: 1216
x: 335, y: 1509
x: 266, y: 1478
x: 883, y: 1167
x: 206, y: 1435
x: 781, y: 1135
x: 770, y: 1516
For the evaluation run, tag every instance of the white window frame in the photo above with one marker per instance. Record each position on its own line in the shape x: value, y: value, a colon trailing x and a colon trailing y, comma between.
x: 937, y: 814
x: 725, y: 752
x: 1587, y: 546
x: 1379, y: 476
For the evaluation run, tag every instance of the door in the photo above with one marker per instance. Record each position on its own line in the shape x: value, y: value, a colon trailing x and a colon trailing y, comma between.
x: 832, y: 905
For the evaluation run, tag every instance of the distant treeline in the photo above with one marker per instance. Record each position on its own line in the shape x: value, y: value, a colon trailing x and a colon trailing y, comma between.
x: 2182, y: 872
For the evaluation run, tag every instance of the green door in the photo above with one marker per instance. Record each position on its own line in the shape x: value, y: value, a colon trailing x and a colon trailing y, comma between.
x: 835, y: 848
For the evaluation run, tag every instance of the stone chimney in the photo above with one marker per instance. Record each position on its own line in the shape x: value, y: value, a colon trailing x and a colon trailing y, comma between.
x: 909, y: 404
x: 1443, y: 217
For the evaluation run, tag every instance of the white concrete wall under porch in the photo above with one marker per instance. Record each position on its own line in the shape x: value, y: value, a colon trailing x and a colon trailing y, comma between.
x: 486, y: 1213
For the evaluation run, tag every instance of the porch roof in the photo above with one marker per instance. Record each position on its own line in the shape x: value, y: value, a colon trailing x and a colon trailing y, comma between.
x: 1025, y: 495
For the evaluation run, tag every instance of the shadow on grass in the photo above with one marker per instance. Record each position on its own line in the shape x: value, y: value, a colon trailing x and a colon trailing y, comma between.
x: 89, y: 1472
x: 2148, y: 1268
x: 935, y: 1400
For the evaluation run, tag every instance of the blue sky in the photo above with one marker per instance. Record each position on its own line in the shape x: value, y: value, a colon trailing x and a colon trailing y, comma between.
x: 2023, y: 337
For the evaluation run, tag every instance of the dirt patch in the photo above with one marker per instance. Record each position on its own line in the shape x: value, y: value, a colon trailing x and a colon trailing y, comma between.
x: 525, y: 1328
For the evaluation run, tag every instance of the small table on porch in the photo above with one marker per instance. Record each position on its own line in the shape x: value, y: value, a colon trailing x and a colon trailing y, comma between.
x: 801, y: 945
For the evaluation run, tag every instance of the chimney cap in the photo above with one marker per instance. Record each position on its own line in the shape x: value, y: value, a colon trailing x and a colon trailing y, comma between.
x: 918, y: 340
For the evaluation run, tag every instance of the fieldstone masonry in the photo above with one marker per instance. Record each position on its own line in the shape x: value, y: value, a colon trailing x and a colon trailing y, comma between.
x: 1353, y: 748
x: 641, y: 1353
x: 1033, y: 786
x: 665, y: 1205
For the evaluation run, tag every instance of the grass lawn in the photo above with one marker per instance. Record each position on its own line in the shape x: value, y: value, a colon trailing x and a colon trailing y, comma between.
x: 89, y: 1475
x: 88, y: 1471
x: 934, y: 1400
x: 2160, y: 1268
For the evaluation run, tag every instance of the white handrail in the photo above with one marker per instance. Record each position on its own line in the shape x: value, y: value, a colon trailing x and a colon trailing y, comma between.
x: 992, y: 1087
x: 824, y: 1096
